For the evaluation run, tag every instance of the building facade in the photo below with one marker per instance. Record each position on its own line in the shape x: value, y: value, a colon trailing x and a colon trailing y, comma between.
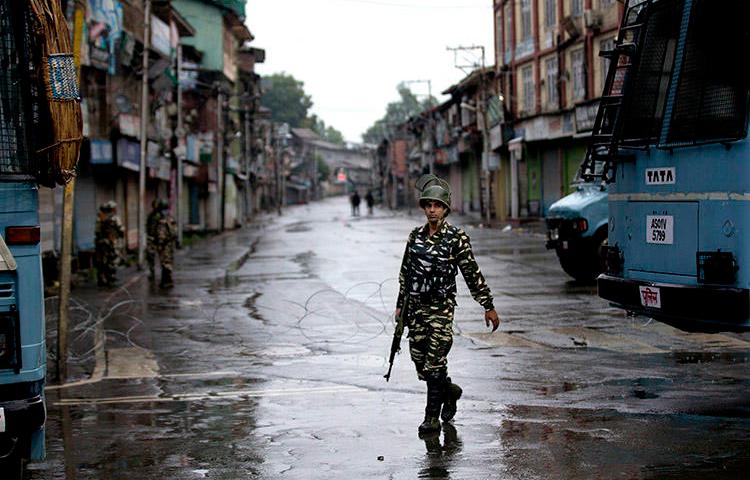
x: 549, y: 76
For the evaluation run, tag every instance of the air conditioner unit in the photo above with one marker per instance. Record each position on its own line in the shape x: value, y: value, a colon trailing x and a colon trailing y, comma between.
x: 592, y: 19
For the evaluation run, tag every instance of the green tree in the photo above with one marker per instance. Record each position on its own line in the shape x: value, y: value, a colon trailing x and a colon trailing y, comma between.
x: 286, y: 98
x: 327, y: 133
x: 397, y: 113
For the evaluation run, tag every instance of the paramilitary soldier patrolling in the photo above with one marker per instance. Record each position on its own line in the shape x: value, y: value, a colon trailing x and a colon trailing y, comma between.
x: 108, y: 234
x: 161, y: 234
x: 427, y: 297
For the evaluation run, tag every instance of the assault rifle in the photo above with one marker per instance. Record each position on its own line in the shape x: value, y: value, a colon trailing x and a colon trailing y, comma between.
x: 397, y: 333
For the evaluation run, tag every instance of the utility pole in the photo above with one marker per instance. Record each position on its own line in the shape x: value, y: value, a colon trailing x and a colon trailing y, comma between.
x: 248, y: 155
x: 277, y: 177
x: 220, y: 154
x: 180, y: 134
x: 482, y: 111
x: 144, y: 131
x: 66, y: 240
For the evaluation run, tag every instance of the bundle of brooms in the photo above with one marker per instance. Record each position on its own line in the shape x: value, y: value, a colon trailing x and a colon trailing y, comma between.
x: 60, y: 76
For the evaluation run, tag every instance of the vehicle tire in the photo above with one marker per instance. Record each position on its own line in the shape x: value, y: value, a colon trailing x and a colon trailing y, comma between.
x: 12, y: 467
x: 584, y: 261
x: 577, y: 266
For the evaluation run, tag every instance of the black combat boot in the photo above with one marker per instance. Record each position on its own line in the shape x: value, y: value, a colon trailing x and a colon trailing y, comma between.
x: 435, y: 389
x: 451, y: 394
x: 166, y: 279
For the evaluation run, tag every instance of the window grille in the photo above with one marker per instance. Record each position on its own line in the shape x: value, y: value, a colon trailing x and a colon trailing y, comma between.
x: 579, y: 75
x: 528, y: 89
x: 525, y: 20
x: 550, y: 12
x: 550, y: 66
x: 576, y: 8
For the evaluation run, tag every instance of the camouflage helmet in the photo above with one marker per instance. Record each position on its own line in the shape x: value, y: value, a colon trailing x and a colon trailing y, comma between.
x: 109, y: 206
x: 434, y: 188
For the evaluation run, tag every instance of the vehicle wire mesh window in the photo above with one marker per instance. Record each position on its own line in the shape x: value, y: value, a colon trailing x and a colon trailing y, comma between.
x: 712, y: 93
x: 646, y: 89
x: 14, y: 151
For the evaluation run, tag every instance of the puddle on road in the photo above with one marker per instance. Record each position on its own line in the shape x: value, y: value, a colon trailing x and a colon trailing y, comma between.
x: 298, y: 228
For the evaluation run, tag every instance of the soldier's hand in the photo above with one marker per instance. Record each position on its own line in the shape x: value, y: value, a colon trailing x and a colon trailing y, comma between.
x: 397, y: 313
x: 492, y: 316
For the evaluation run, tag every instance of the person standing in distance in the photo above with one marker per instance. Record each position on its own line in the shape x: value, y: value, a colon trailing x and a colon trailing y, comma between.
x: 161, y: 234
x: 108, y: 234
x: 434, y: 253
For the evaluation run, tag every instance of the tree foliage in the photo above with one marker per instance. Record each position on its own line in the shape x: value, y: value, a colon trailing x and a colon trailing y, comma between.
x: 327, y: 133
x: 397, y: 113
x: 285, y: 96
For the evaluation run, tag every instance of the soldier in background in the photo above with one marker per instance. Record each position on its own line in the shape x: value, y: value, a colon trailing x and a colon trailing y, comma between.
x: 435, y: 252
x: 161, y: 235
x: 108, y: 235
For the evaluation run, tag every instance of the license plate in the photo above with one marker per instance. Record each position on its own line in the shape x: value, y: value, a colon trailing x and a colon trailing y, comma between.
x: 2, y: 419
x: 660, y: 229
x: 650, y: 297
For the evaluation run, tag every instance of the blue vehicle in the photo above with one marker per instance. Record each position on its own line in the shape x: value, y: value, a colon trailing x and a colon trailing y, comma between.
x: 23, y: 354
x: 671, y: 132
x: 577, y: 230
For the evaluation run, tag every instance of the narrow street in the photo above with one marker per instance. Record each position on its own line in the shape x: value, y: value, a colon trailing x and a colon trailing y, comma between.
x: 267, y: 361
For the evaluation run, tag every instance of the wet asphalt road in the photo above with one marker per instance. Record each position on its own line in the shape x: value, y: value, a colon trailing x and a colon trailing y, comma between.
x: 266, y: 361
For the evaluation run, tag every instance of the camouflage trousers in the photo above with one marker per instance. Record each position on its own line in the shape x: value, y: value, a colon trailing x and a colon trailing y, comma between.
x: 430, y: 338
x: 105, y: 260
x: 165, y: 254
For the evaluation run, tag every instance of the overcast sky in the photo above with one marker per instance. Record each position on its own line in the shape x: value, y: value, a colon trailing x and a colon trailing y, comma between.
x: 351, y: 54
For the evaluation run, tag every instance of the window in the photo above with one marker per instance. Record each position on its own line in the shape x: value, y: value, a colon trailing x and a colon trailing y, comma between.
x: 578, y: 75
x: 605, y: 45
x: 527, y: 80
x: 507, y: 15
x: 499, y: 37
x: 576, y: 8
x: 525, y: 20
x: 550, y: 13
x: 550, y: 83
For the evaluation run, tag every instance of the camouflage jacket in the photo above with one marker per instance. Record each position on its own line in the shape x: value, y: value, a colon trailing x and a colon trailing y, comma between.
x: 160, y: 228
x: 109, y: 228
x: 431, y: 263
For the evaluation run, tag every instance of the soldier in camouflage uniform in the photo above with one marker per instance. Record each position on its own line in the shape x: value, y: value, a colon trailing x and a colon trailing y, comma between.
x: 108, y: 234
x: 161, y: 235
x: 434, y: 254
